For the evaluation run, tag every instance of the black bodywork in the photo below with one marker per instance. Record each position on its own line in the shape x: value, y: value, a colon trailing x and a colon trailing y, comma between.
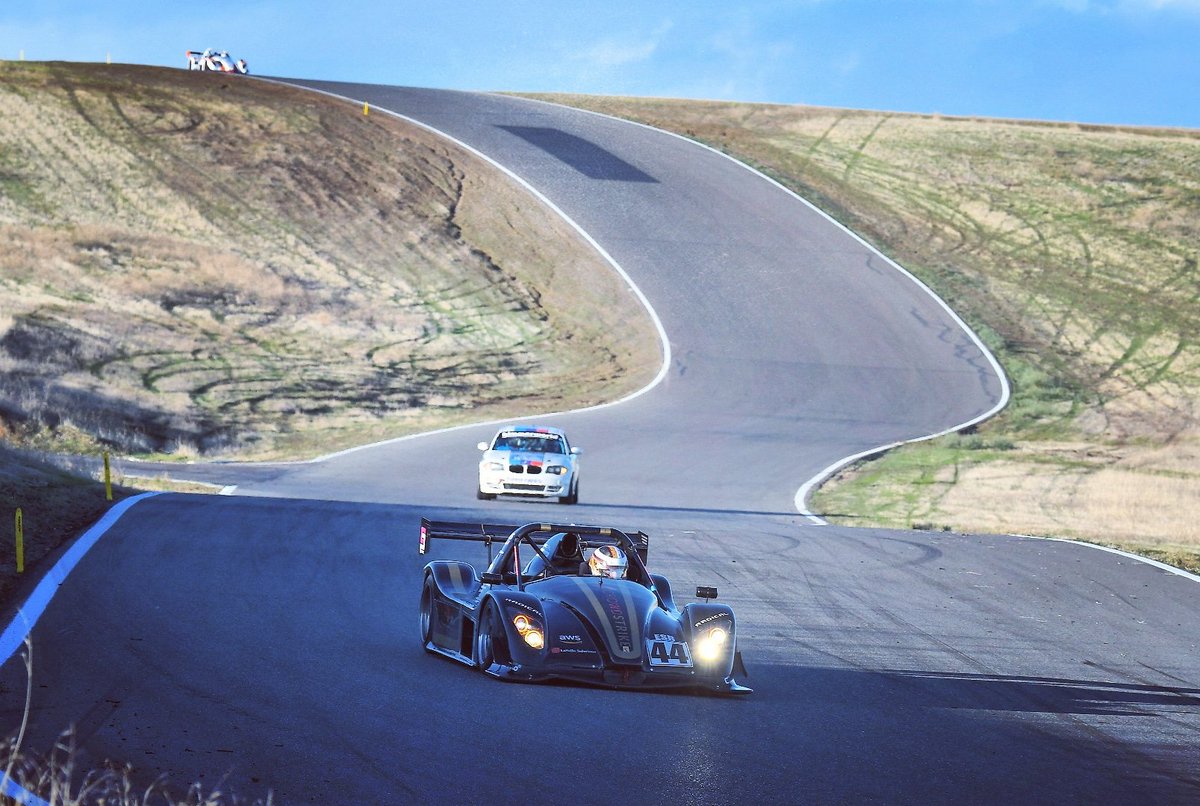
x: 537, y: 613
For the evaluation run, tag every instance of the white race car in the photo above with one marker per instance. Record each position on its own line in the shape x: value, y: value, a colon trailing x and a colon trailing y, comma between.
x: 529, y: 460
x: 217, y: 61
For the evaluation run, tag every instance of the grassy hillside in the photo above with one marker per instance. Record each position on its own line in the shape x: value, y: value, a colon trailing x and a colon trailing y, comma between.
x: 1072, y: 250
x: 197, y: 265
x: 194, y: 264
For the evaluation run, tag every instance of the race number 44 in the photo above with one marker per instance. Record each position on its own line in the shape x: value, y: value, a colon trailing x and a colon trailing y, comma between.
x: 669, y: 653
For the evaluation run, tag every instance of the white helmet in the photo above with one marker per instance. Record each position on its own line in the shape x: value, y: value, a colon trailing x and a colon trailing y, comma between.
x: 608, y: 561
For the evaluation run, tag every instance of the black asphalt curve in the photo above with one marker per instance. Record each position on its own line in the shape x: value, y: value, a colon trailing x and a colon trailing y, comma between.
x: 268, y: 639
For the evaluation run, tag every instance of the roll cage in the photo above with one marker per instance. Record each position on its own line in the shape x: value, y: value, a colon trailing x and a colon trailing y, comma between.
x: 505, y: 568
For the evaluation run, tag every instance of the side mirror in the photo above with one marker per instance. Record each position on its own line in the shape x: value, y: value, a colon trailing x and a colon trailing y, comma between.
x: 483, y: 446
x: 490, y: 578
x: 576, y: 451
x: 705, y: 592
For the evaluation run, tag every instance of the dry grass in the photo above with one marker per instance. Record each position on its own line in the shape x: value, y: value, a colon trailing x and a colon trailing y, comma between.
x: 1072, y: 250
x: 197, y: 266
x: 56, y: 505
x: 194, y: 265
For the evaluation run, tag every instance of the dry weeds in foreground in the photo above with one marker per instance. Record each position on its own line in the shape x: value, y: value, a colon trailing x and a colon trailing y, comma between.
x: 57, y: 779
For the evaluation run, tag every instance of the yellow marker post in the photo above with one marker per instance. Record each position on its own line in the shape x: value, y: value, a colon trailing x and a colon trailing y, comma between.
x: 20, y: 542
x: 108, y: 58
x: 107, y: 478
x: 366, y: 107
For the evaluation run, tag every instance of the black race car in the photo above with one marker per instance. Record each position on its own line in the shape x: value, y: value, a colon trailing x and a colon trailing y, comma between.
x: 539, y: 613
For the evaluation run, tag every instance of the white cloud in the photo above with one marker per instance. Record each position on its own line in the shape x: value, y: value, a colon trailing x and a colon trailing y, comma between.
x: 620, y: 51
x: 1160, y: 5
x: 1128, y: 6
x: 613, y: 53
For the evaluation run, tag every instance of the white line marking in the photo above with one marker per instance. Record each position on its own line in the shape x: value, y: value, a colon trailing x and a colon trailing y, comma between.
x: 20, y: 794
x: 21, y: 625
x: 664, y: 341
x: 801, y: 498
x: 1159, y: 565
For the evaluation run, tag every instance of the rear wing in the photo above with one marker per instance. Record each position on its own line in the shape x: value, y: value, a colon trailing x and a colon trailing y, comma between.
x: 539, y: 533
x: 456, y: 530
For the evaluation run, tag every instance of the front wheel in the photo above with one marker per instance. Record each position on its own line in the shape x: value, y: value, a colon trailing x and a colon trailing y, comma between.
x: 482, y: 496
x: 489, y: 637
x: 571, y: 497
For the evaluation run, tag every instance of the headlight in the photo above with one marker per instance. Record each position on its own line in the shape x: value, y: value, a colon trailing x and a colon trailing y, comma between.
x: 494, y: 466
x: 712, y: 644
x: 529, y: 630
x: 556, y: 470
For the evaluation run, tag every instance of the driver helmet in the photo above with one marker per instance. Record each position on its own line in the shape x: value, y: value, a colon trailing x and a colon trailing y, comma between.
x: 608, y: 561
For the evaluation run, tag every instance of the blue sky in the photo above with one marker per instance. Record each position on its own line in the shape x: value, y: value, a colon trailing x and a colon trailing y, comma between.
x: 1098, y: 61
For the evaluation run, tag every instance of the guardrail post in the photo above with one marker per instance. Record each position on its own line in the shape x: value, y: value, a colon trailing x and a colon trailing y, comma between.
x: 107, y: 478
x: 20, y: 542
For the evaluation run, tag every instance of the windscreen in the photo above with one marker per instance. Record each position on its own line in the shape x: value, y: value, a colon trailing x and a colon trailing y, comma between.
x: 529, y: 442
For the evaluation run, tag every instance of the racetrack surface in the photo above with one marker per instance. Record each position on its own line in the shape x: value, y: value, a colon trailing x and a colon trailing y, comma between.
x: 270, y: 637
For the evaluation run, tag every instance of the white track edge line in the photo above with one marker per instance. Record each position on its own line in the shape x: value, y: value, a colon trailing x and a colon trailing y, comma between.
x: 28, y: 614
x: 801, y: 498
x: 664, y: 341
x: 21, y: 795
x: 1148, y: 560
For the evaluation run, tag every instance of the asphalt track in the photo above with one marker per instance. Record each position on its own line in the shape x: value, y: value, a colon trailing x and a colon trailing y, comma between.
x: 268, y: 639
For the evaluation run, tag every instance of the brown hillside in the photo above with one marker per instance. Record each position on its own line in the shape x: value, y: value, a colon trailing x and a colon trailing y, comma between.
x: 194, y: 263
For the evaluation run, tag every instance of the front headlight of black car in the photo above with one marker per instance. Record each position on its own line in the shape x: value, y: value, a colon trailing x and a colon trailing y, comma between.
x: 711, y: 643
x: 529, y: 630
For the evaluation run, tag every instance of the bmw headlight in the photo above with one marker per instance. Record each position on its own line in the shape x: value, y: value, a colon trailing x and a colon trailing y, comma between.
x: 712, y: 644
x: 493, y: 466
x: 530, y: 630
x: 556, y: 470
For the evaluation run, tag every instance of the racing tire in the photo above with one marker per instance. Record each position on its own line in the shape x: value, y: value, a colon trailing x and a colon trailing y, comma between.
x: 425, y: 614
x: 482, y: 496
x: 489, y: 637
x: 571, y: 497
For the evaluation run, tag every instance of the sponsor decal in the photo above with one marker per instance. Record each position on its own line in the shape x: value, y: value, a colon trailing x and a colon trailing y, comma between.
x: 521, y: 605
x: 571, y: 639
x: 617, y: 618
x: 611, y: 608
x: 704, y: 621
